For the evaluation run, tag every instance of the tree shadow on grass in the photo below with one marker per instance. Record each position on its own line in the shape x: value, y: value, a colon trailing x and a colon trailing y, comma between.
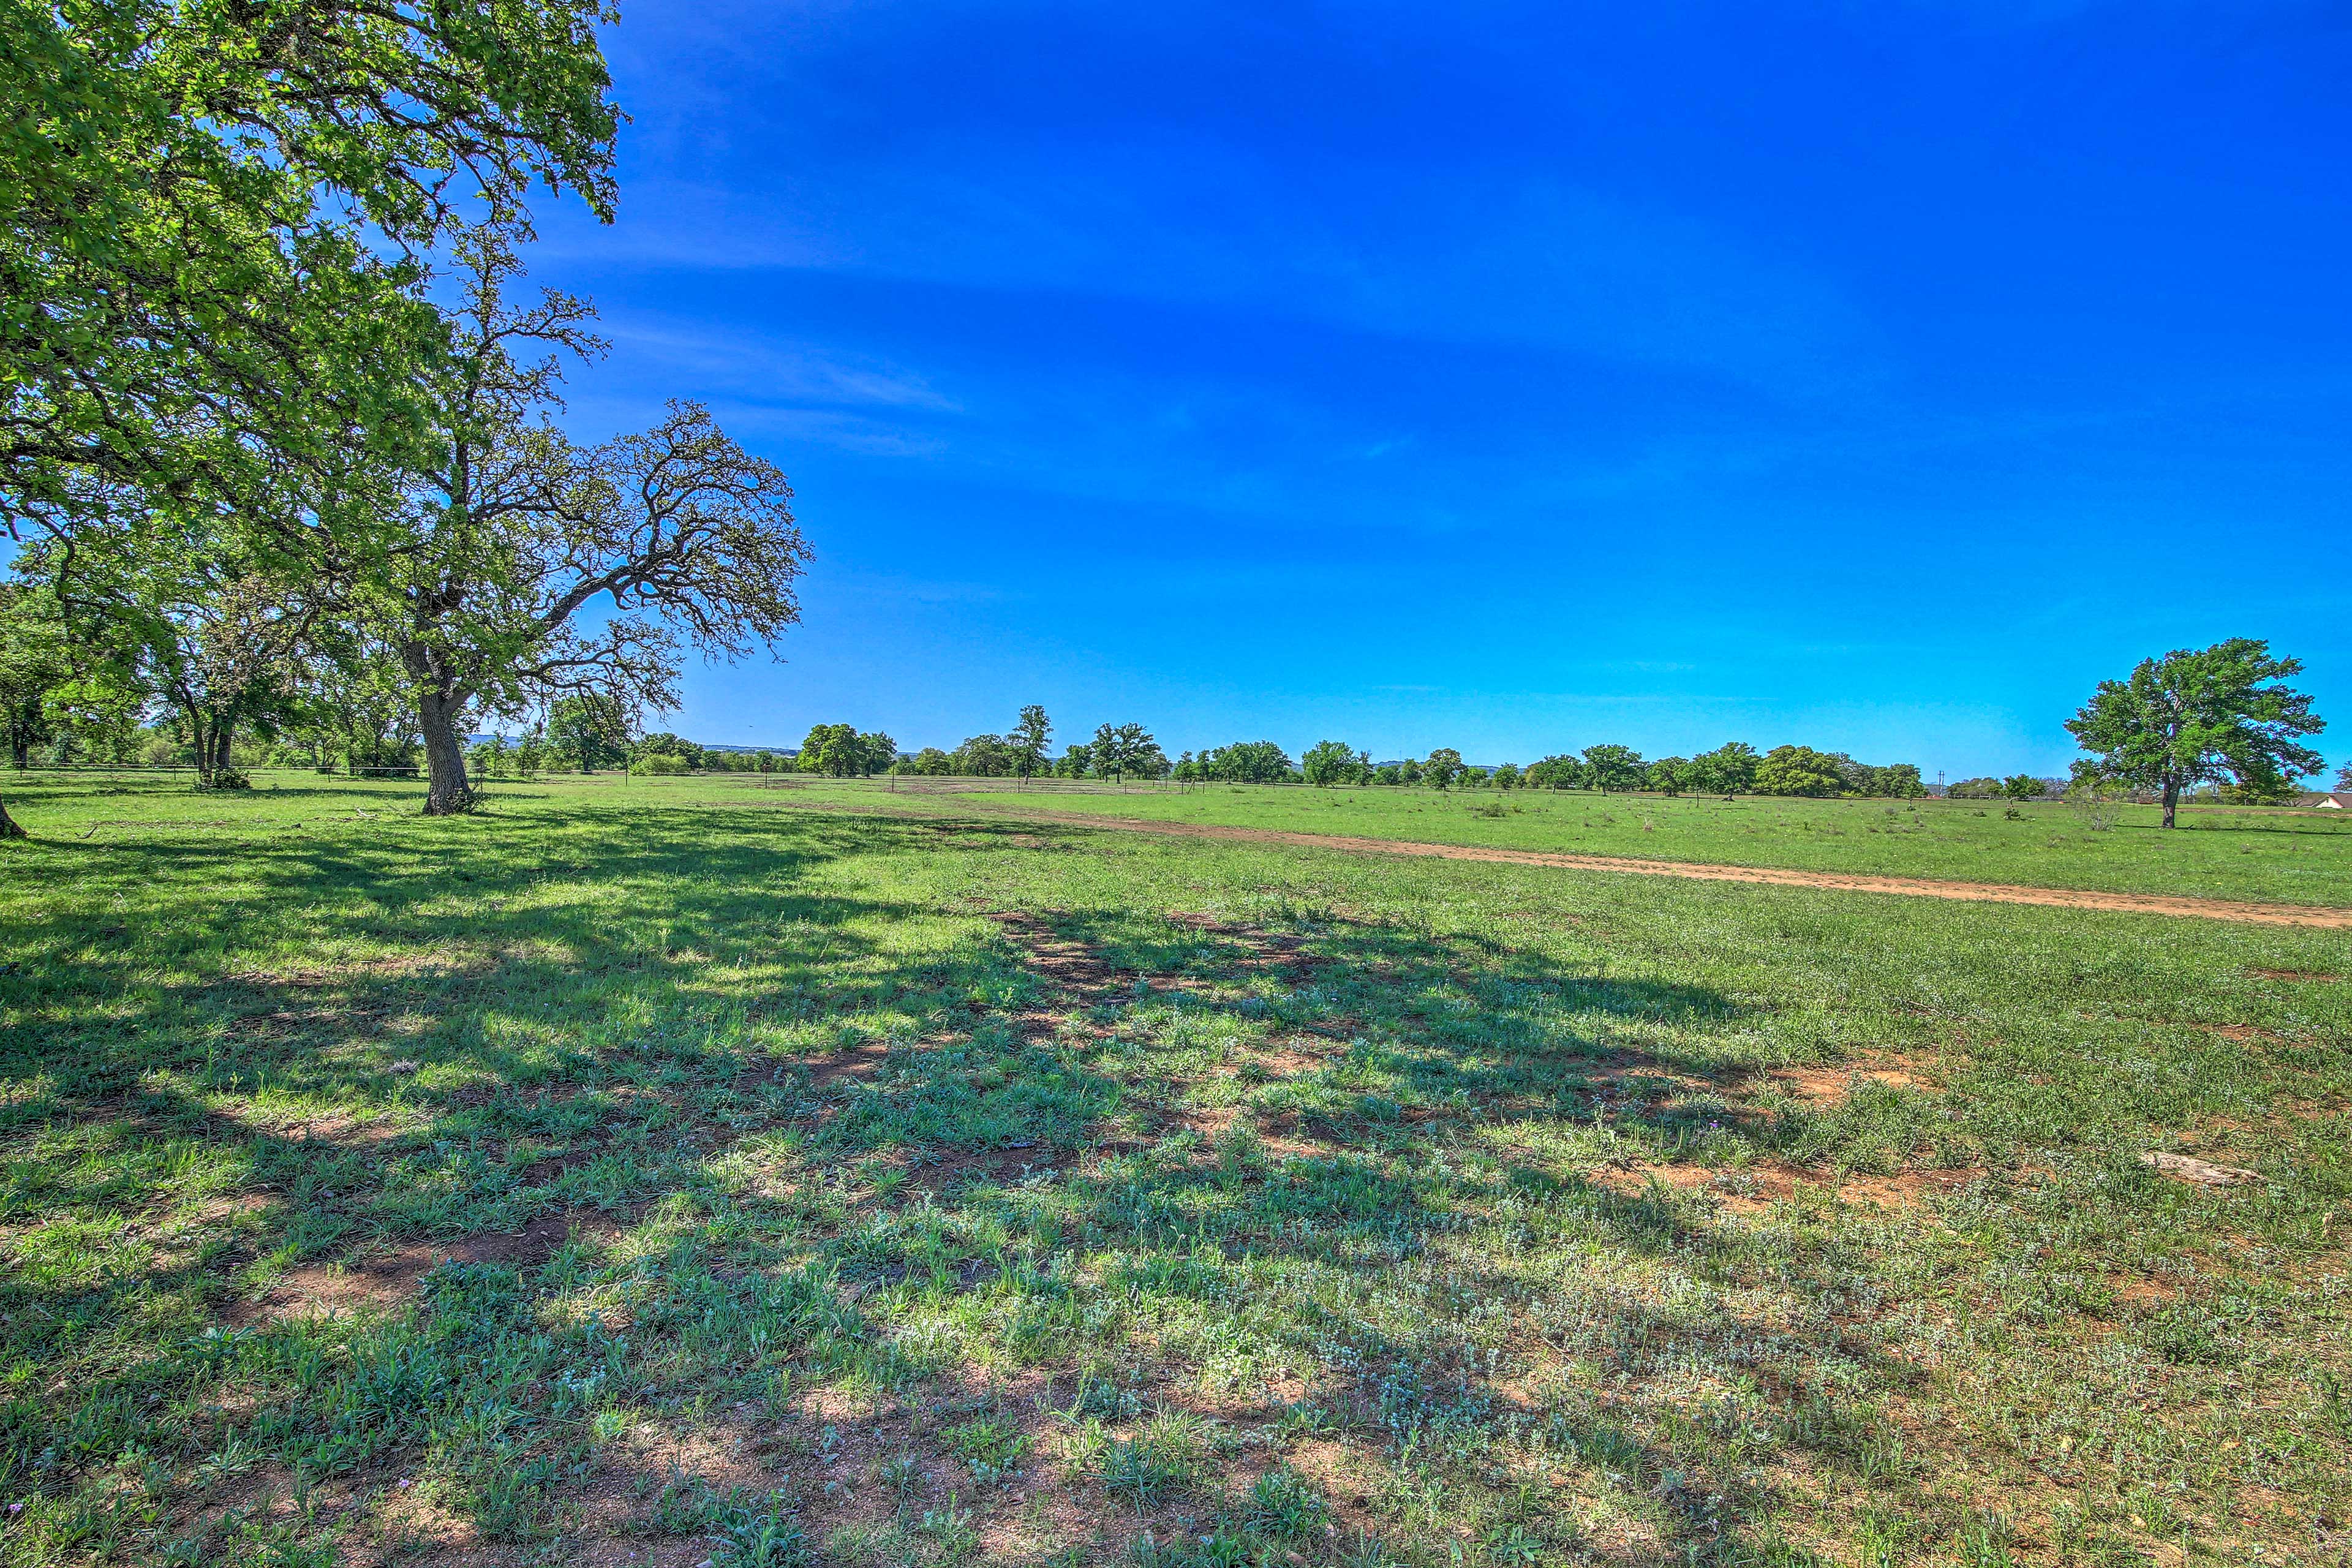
x: 1343, y: 1262
x: 1015, y: 1164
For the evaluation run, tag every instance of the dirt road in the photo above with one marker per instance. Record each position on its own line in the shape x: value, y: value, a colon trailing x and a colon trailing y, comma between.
x: 1913, y: 887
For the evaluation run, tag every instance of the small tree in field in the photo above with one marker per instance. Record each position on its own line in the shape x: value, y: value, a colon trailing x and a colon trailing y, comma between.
x: 1614, y: 768
x: 1561, y: 771
x: 1245, y: 761
x: 1027, y: 742
x: 589, y: 732
x: 1797, y: 771
x: 2199, y: 716
x: 985, y: 757
x: 34, y: 666
x: 1729, y: 769
x: 829, y: 749
x: 841, y: 752
x: 218, y: 638
x: 1334, y: 763
x: 1444, y: 766
x: 1118, y: 751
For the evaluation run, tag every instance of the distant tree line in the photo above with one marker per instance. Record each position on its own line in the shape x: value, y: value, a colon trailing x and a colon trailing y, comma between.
x: 2015, y: 787
x: 1733, y: 769
x: 1116, y: 751
x: 2221, y: 718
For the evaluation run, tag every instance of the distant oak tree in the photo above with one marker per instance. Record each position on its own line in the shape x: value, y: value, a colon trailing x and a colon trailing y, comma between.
x: 2199, y: 716
x: 1027, y: 742
x: 1119, y: 750
x: 1611, y: 768
x: 1334, y: 763
x: 1797, y: 771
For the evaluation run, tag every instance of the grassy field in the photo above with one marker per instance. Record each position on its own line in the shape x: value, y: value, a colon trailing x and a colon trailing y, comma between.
x: 660, y: 1175
x: 2287, y: 855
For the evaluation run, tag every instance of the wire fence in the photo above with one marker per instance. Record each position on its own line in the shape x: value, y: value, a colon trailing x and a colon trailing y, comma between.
x: 415, y: 771
x: 966, y: 783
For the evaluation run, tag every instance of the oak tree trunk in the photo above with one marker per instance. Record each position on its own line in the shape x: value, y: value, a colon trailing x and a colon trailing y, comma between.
x: 2171, y: 801
x: 447, y: 791
x: 9, y: 828
x: 203, y: 734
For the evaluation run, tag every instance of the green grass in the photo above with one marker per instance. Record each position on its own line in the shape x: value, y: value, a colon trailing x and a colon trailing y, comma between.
x: 662, y: 1169
x: 2282, y: 854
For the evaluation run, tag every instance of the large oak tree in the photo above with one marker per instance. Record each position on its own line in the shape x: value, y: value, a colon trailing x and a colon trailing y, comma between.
x: 514, y: 538
x: 2198, y: 716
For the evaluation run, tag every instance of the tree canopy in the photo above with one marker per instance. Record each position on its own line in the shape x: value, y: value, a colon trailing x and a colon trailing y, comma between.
x: 1244, y: 761
x: 843, y: 752
x: 509, y: 530
x: 211, y: 258
x: 1027, y: 741
x: 1613, y: 767
x: 2197, y: 716
x: 1334, y: 763
x: 242, y: 433
x: 1797, y: 771
x: 1118, y: 751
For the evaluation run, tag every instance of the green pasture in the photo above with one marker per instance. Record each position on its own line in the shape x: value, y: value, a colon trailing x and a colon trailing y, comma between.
x: 2288, y: 855
x: 673, y: 1172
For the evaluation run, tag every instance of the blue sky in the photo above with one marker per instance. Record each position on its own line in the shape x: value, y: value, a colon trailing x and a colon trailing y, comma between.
x: 1875, y: 375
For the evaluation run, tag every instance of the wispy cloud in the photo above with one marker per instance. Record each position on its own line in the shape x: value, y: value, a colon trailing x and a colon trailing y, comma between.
x: 781, y: 370
x: 1485, y: 255
x: 828, y: 428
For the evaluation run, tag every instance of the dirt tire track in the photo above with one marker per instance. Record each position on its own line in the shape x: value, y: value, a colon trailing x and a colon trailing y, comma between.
x: 1913, y: 887
x: 2308, y: 915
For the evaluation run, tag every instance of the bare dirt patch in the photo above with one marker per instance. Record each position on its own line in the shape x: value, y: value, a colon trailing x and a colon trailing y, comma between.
x: 341, y: 1128
x: 942, y: 1174
x: 2313, y: 976
x: 1260, y: 950
x: 1756, y: 1190
x: 1828, y: 1086
x: 826, y: 1454
x: 857, y: 1062
x: 1073, y: 965
x: 379, y: 1280
x: 405, y: 1525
